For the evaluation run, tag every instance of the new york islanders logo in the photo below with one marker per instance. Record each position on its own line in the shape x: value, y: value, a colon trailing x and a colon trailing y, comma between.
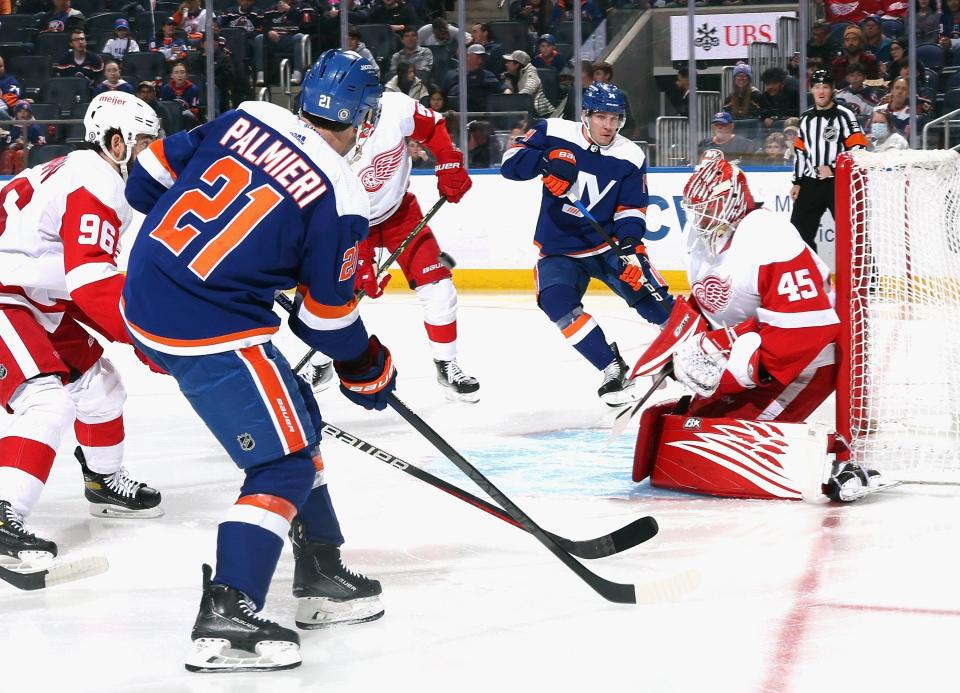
x: 713, y: 293
x: 382, y: 167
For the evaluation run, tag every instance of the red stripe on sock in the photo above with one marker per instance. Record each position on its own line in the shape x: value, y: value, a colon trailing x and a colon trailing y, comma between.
x: 274, y: 504
x: 30, y: 456
x: 99, y: 435
x: 442, y: 334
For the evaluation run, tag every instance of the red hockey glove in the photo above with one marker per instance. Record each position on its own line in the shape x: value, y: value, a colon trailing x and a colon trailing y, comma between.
x: 365, y: 278
x: 452, y: 179
x: 368, y: 379
x: 560, y: 171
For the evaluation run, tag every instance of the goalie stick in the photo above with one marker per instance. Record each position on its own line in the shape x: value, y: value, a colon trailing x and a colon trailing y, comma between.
x: 56, y: 574
x: 383, y: 268
x: 656, y: 591
x: 628, y: 536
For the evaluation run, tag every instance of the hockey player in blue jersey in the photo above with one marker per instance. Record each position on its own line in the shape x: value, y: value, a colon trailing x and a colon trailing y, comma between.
x: 256, y: 201
x: 591, y: 163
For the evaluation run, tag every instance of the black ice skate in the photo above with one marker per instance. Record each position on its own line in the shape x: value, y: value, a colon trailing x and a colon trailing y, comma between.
x: 229, y: 636
x: 849, y: 482
x: 328, y: 592
x: 457, y: 385
x: 21, y: 550
x: 318, y: 372
x: 117, y: 495
x: 616, y: 388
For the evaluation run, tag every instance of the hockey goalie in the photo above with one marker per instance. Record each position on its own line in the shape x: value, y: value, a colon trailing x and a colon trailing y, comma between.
x: 755, y: 344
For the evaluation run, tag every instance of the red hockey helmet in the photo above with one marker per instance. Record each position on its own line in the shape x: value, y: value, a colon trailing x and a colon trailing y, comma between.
x: 716, y: 198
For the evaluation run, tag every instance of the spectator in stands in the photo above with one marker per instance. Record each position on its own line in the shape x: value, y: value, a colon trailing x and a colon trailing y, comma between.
x: 791, y: 130
x: 520, y: 77
x: 895, y: 9
x: 285, y: 27
x: 928, y: 22
x: 846, y: 10
x: 111, y: 79
x: 679, y: 96
x: 396, y: 13
x: 419, y: 155
x: 223, y: 73
x: 357, y: 46
x: 603, y: 73
x: 725, y: 139
x: 950, y: 26
x: 244, y: 15
x: 437, y: 101
x: 856, y: 96
x: 439, y: 33
x: 61, y: 18
x: 874, y: 40
x: 821, y: 43
x: 897, y: 104
x: 853, y: 53
x: 478, y: 143
x: 536, y: 14
x: 184, y: 92
x: 192, y: 20
x: 480, y: 81
x: 407, y: 82
x: 883, y: 133
x: 774, y: 149
x: 744, y: 99
x: 20, y: 139
x: 121, y: 43
x: 777, y: 101
x: 547, y: 54
x: 589, y: 11
x: 483, y: 36
x: 168, y: 44
x: 78, y: 61
x: 898, y: 58
x: 421, y: 58
x: 10, y: 90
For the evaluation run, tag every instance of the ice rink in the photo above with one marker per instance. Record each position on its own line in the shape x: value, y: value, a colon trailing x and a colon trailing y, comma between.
x: 793, y: 597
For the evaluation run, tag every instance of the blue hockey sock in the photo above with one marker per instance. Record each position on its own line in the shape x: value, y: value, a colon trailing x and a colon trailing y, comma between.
x: 319, y: 519
x: 593, y: 345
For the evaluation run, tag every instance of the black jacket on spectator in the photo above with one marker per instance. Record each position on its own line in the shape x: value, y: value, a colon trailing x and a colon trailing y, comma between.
x: 494, y: 61
x: 250, y: 21
x: 826, y: 53
x: 480, y: 83
x: 785, y: 105
x: 91, y: 67
x: 298, y: 19
x: 402, y: 13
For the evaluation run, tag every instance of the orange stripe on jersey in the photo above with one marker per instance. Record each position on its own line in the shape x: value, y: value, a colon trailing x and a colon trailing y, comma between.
x: 856, y: 140
x: 157, y: 150
x: 207, y: 341
x: 277, y: 399
x: 575, y: 325
x: 322, y: 310
x: 274, y: 504
x: 624, y: 208
x: 318, y: 462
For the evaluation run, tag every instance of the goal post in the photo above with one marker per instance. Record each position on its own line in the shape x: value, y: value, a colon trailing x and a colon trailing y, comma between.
x: 898, y: 298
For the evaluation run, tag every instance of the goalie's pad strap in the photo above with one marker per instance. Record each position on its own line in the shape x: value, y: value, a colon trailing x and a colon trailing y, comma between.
x: 740, y: 459
x: 684, y: 322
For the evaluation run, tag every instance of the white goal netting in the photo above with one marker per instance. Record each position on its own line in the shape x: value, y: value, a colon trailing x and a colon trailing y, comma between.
x: 898, y: 394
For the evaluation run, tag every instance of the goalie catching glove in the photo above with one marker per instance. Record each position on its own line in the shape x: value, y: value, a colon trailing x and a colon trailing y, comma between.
x: 724, y: 361
x: 369, y: 378
x: 560, y: 171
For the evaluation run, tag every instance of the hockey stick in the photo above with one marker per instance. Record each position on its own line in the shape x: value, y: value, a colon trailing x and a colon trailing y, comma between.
x: 55, y: 575
x: 383, y: 268
x: 624, y: 417
x: 659, y: 590
x: 629, y: 258
x: 626, y: 537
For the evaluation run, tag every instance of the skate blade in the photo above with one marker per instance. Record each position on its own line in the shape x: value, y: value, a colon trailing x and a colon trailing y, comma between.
x: 628, y: 395
x: 319, y: 612
x: 109, y: 510
x: 469, y: 397
x: 212, y: 655
x: 27, y: 561
x: 850, y: 497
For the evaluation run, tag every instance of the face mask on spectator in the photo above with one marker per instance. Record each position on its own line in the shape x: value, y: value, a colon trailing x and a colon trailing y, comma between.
x: 879, y: 130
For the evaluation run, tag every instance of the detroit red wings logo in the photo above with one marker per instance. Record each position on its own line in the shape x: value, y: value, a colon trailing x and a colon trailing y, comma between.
x: 713, y: 293
x: 382, y: 167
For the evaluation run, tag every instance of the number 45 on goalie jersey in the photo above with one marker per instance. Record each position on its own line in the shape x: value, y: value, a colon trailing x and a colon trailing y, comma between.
x: 248, y: 204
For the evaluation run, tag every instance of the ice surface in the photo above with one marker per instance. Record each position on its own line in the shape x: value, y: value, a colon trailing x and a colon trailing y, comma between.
x: 795, y: 597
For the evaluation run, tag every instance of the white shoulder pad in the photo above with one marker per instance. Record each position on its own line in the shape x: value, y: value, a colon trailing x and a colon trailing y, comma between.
x: 622, y: 148
x: 767, y: 237
x: 566, y: 130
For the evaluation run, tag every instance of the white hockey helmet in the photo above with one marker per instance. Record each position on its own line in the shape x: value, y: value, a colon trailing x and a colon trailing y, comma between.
x: 121, y: 111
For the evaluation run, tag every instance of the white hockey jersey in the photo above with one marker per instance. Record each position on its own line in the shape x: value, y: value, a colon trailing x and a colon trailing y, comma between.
x: 60, y: 227
x: 384, y: 165
x: 767, y: 274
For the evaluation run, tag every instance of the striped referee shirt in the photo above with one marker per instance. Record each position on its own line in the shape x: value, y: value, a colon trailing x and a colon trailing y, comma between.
x: 824, y: 135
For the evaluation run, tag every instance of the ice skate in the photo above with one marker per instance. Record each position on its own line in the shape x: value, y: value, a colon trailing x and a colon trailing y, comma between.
x: 849, y: 482
x: 457, y: 385
x: 229, y: 636
x: 318, y: 372
x: 20, y: 550
x: 328, y: 592
x: 616, y: 388
x: 117, y: 495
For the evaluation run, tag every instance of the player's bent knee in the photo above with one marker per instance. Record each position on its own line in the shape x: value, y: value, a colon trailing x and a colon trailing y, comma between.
x: 99, y: 394
x: 43, y: 410
x: 558, y: 302
x: 290, y: 477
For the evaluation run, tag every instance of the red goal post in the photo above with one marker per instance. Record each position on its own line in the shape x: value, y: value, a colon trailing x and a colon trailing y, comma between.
x: 898, y: 298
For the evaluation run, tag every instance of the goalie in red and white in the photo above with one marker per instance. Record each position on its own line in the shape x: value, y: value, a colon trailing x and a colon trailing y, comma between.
x: 60, y: 231
x: 756, y: 344
x: 383, y: 167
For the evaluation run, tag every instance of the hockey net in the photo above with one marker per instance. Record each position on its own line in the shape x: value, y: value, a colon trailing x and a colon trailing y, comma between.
x: 898, y: 297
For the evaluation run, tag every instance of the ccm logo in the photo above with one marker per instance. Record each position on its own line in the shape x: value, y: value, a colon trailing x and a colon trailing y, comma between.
x: 692, y: 423
x: 448, y: 166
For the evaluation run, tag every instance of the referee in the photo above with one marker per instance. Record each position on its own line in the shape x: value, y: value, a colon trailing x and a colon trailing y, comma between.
x: 826, y: 130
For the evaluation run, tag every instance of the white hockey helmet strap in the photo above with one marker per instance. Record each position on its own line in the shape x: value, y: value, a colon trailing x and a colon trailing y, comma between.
x: 123, y: 112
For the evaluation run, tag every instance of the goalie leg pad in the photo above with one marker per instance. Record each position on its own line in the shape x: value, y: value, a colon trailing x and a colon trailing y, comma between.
x: 684, y: 322
x: 648, y: 438
x: 741, y: 459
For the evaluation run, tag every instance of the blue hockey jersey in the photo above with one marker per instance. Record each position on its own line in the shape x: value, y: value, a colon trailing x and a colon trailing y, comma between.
x: 248, y: 204
x: 612, y: 184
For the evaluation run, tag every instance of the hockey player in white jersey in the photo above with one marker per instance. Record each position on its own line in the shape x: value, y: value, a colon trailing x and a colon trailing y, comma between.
x: 384, y: 169
x: 760, y: 361
x: 60, y: 232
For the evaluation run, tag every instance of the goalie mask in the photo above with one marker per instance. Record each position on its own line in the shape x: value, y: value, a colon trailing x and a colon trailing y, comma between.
x: 716, y: 198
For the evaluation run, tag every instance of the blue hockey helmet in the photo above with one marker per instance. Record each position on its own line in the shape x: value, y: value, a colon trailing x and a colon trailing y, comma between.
x: 604, y: 98
x: 342, y: 86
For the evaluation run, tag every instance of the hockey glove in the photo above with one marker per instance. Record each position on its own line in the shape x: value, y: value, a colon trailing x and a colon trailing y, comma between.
x: 452, y: 179
x: 722, y: 361
x: 368, y: 379
x: 633, y: 273
x: 366, y: 277
x: 560, y: 171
